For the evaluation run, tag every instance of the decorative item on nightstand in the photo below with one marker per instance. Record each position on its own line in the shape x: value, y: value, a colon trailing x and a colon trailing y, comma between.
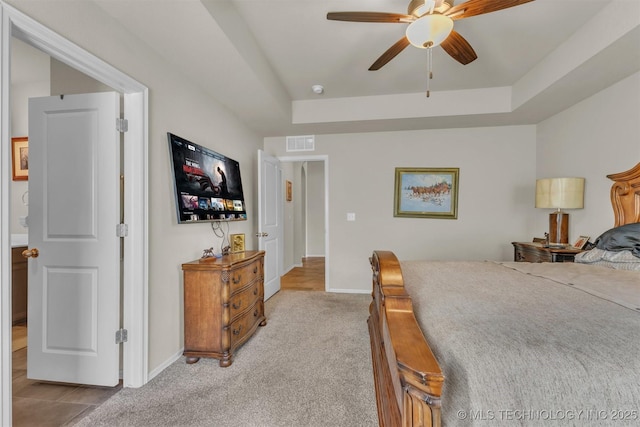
x: 559, y: 193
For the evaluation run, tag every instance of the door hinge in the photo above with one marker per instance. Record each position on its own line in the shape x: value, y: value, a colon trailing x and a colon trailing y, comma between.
x: 122, y: 125
x: 122, y: 230
x: 121, y: 336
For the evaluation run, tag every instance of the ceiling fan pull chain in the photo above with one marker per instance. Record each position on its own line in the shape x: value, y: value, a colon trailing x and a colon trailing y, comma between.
x: 429, y: 69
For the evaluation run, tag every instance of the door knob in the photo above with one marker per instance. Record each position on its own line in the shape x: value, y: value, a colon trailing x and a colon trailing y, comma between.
x: 31, y: 253
x: 262, y: 234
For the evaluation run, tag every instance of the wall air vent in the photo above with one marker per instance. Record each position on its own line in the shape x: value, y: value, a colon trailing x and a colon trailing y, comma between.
x: 301, y: 143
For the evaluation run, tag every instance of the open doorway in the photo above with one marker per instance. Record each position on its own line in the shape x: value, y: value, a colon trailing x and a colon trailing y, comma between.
x: 305, y: 224
x: 32, y: 406
x: 135, y: 259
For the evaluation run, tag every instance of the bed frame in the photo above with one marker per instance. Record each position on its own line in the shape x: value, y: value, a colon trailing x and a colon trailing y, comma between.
x: 408, y: 379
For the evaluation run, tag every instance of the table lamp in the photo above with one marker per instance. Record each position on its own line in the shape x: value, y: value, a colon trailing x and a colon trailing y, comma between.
x: 559, y: 193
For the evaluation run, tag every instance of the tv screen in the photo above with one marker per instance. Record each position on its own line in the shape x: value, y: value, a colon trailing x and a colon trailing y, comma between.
x: 207, y: 186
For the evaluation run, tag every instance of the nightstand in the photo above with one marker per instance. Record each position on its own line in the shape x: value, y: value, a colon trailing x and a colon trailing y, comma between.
x: 536, y: 252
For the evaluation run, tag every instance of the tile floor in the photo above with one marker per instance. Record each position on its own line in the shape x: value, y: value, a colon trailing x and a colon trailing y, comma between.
x: 43, y: 404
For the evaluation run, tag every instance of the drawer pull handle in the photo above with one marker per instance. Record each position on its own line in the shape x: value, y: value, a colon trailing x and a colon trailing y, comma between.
x: 255, y: 270
x: 237, y: 331
x: 236, y: 306
x: 255, y: 291
x: 237, y: 280
x: 255, y: 313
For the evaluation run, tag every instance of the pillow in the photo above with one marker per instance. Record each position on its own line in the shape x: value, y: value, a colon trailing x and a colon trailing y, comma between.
x: 619, y: 260
x: 623, y: 238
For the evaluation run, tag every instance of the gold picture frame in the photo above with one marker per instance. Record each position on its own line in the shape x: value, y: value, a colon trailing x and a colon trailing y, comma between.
x: 289, y: 191
x: 426, y: 193
x: 20, y: 158
x: 237, y: 242
x: 581, y: 242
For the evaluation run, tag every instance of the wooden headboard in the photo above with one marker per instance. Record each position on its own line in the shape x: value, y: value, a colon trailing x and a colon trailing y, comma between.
x: 625, y: 196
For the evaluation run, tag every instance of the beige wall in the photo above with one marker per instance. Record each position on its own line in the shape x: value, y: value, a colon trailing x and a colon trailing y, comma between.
x: 498, y: 167
x: 315, y: 209
x: 597, y: 137
x: 497, y: 176
x: 289, y: 173
x: 175, y: 105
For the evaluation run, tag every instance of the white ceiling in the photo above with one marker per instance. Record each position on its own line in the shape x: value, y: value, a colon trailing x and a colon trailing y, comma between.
x: 261, y: 57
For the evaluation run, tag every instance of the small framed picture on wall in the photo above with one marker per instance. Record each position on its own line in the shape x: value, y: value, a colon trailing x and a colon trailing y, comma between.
x: 289, y: 191
x: 20, y: 158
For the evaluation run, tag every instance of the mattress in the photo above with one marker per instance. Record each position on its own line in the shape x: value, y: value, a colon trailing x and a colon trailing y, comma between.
x: 523, y: 344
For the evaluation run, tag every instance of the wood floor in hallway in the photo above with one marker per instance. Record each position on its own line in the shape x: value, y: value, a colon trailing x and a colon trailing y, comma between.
x: 39, y: 403
x: 309, y: 277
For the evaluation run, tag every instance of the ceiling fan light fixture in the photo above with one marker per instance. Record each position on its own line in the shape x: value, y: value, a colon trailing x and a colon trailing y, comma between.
x: 421, y: 7
x: 429, y: 31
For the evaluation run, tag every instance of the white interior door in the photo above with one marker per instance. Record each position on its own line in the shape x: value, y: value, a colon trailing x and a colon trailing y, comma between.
x: 270, y: 220
x: 74, y: 207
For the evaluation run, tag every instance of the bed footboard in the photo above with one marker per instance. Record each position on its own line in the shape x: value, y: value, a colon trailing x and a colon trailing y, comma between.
x: 407, y: 377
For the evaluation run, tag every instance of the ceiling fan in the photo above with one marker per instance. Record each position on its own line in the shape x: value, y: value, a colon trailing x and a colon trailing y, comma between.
x: 430, y: 24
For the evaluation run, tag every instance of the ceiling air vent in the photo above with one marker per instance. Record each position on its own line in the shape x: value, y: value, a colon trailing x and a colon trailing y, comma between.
x: 301, y: 143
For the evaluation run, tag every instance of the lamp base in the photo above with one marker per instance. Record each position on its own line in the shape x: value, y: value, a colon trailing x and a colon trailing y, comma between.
x: 558, y: 228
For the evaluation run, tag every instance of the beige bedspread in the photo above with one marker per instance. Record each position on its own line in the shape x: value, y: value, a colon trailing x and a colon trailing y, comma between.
x: 620, y: 287
x: 519, y: 349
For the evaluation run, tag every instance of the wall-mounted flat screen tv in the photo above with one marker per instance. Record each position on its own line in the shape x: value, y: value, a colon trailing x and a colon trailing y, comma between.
x: 207, y: 184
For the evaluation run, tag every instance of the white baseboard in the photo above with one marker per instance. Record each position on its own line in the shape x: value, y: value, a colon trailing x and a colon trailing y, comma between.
x: 350, y: 291
x: 314, y: 256
x: 166, y: 364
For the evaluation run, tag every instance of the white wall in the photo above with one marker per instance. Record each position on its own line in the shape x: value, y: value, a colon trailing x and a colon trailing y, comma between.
x: 20, y: 127
x: 289, y: 173
x: 496, y: 196
x: 24, y: 85
x: 177, y: 106
x: 595, y: 138
x: 315, y: 209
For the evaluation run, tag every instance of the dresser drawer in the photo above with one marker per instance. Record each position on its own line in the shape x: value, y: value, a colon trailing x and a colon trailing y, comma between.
x: 223, y: 304
x: 242, y: 301
x: 244, y: 275
x: 246, y: 324
x: 525, y: 254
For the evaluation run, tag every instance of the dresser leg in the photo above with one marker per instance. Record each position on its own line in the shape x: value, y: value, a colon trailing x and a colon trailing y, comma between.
x: 226, y: 361
x: 192, y: 360
x: 263, y: 323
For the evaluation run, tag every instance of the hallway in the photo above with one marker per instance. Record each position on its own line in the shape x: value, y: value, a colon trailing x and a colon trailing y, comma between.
x: 309, y: 277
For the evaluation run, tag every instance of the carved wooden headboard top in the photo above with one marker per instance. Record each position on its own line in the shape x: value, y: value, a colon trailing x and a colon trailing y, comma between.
x: 625, y: 196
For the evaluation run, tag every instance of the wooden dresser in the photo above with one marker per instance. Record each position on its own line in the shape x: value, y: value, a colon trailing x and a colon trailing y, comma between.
x: 223, y: 304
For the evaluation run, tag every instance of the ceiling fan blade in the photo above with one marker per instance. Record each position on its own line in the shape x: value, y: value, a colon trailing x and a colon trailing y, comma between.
x: 459, y: 48
x: 369, y: 17
x: 479, y: 7
x: 390, y: 54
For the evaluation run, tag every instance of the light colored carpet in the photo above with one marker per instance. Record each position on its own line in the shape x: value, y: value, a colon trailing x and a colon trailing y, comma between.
x: 309, y: 366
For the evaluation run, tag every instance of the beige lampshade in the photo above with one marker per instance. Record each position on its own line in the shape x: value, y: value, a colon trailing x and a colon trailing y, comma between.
x: 560, y: 193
